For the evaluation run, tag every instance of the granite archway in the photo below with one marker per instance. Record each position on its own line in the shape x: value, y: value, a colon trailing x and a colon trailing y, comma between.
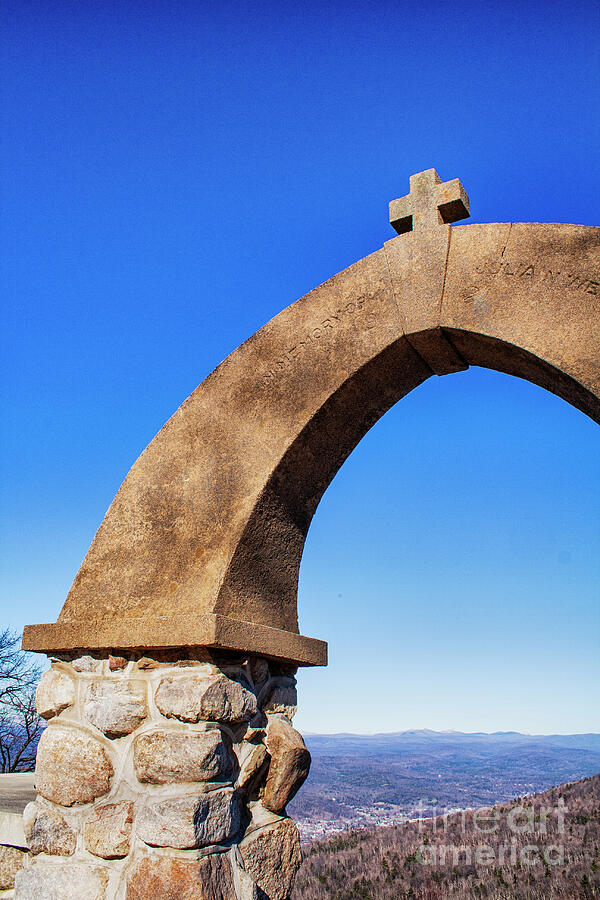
x: 170, y: 755
x: 202, y: 544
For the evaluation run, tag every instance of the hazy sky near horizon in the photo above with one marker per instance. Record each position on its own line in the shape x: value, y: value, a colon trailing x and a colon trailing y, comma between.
x: 174, y: 175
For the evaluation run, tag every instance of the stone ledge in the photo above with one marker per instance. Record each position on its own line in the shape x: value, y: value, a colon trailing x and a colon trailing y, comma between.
x: 163, y: 632
x: 17, y: 789
x: 12, y: 831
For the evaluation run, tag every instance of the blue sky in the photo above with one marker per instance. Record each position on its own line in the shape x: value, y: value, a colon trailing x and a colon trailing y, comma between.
x: 174, y: 175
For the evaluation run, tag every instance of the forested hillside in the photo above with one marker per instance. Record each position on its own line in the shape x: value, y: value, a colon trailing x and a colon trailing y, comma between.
x: 535, y: 848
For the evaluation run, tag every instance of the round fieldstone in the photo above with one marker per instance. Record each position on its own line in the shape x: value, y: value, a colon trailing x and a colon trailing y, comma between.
x: 280, y: 698
x: 147, y: 662
x: 289, y: 766
x: 253, y: 758
x: 107, y: 833
x: 115, y: 663
x: 256, y: 728
x: 178, y: 879
x: 47, y: 832
x: 193, y: 699
x: 86, y: 664
x: 161, y: 757
x: 192, y: 821
x: 44, y: 881
x: 11, y: 860
x: 71, y: 767
x: 259, y: 670
x: 55, y: 692
x: 116, y: 707
x: 272, y: 856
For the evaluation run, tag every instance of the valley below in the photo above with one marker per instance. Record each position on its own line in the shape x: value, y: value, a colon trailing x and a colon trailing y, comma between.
x: 359, y: 781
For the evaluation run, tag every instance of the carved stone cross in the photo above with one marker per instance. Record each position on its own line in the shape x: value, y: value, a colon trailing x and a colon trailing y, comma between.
x: 430, y: 203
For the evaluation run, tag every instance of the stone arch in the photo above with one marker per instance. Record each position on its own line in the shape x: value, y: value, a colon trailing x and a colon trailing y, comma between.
x: 202, y: 544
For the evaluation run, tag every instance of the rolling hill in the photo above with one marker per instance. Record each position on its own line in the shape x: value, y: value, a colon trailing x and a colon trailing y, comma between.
x: 537, y: 848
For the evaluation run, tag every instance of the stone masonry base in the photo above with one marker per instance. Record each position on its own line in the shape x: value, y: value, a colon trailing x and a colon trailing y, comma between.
x: 164, y: 778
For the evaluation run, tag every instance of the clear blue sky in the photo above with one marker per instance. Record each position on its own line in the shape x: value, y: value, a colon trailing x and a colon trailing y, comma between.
x: 177, y: 173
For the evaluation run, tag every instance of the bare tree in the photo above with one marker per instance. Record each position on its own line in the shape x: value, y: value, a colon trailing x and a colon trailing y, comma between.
x: 20, y: 725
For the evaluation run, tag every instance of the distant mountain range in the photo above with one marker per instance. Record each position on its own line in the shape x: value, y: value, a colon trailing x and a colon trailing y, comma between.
x: 379, y: 778
x: 391, y: 741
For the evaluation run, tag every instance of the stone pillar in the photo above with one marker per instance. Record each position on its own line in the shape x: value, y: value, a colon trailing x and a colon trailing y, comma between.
x: 165, y: 777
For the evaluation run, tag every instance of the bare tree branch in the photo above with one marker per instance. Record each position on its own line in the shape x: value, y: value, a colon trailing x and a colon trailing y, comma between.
x: 20, y: 725
x: 17, y: 672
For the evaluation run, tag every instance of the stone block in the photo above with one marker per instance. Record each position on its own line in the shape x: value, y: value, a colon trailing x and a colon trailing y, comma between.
x: 47, y: 832
x: 55, y: 692
x: 116, y: 707
x: 259, y: 670
x: 209, y: 878
x: 193, y: 821
x: 107, y: 833
x: 252, y: 760
x: 45, y: 881
x: 147, y: 663
x: 271, y: 857
x: 115, y: 663
x: 161, y: 757
x: 280, y: 698
x: 86, y: 664
x: 194, y: 699
x: 289, y: 766
x: 256, y: 729
x: 11, y: 861
x: 71, y: 767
